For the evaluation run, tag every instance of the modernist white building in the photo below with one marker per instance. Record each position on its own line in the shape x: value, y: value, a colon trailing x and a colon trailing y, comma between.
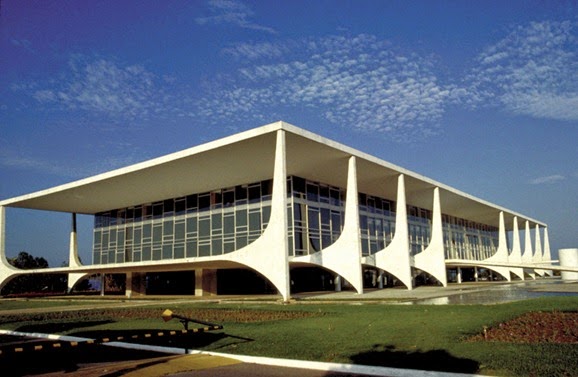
x: 297, y: 210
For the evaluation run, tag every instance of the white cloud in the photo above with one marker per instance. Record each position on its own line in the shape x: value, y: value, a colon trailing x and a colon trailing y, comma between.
x: 104, y: 86
x: 533, y: 71
x: 358, y: 82
x: 232, y: 12
x: 256, y: 50
x: 547, y: 180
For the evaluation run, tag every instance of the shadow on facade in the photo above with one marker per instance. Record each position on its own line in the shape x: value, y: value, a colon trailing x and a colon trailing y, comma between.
x: 170, y: 283
x: 313, y: 279
x: 238, y: 281
x: 434, y: 360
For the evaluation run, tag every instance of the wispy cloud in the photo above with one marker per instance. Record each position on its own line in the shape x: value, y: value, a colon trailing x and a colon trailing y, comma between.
x: 533, y: 71
x: 357, y: 82
x: 551, y: 179
x: 257, y: 50
x: 23, y: 43
x: 107, y: 87
x: 232, y: 12
x: 69, y: 169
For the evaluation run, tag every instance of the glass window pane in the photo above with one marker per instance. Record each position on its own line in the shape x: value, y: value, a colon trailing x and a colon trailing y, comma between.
x: 229, y: 225
x: 179, y: 251
x: 204, y: 227
x: 192, y: 202
x: 254, y: 221
x: 168, y: 228
x: 157, y: 233
x: 157, y: 253
x: 217, y: 222
x: 228, y: 247
x: 180, y: 206
x: 266, y: 214
x: 254, y: 194
x: 180, y: 231
x: 217, y: 246
x: 204, y: 202
x: 241, y: 241
x: 146, y: 253
x: 204, y: 250
x: 137, y: 236
x: 241, y: 218
x: 146, y: 230
x: 191, y: 248
x: 191, y: 224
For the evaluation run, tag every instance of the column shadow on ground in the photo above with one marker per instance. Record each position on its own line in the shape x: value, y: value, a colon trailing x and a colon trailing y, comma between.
x: 433, y: 360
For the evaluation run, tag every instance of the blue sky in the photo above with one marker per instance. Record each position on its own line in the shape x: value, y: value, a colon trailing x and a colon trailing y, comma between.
x: 479, y: 95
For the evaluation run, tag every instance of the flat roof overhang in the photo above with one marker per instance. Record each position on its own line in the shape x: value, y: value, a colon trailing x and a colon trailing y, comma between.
x: 249, y: 157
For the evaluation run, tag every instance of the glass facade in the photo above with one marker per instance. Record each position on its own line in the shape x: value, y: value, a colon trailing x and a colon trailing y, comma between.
x: 315, y: 215
x: 465, y: 239
x: 419, y: 229
x: 222, y: 221
x: 376, y: 223
x: 197, y: 225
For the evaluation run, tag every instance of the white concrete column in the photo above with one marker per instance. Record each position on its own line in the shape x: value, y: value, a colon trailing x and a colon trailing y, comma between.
x: 128, y: 285
x: 538, y: 250
x: 527, y: 255
x: 269, y: 254
x: 205, y: 282
x: 432, y: 259
x: 459, y: 273
x: 102, y: 284
x: 351, y: 239
x: 343, y: 257
x: 337, y: 283
x: 502, y: 253
x: 7, y: 271
x: 516, y: 254
x: 547, y: 257
x: 395, y: 258
x: 3, y: 236
x: 279, y: 210
x: 73, y: 259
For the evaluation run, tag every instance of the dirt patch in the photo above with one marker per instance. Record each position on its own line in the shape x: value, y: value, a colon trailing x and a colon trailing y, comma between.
x: 535, y: 327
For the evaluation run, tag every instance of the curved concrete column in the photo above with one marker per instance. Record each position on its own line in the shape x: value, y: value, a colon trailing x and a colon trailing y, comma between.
x: 395, y: 258
x: 547, y: 257
x: 344, y: 255
x: 527, y: 255
x: 538, y: 251
x: 516, y: 253
x: 268, y: 255
x: 7, y: 271
x: 502, y: 252
x: 74, y: 260
x: 432, y: 259
x: 74, y: 278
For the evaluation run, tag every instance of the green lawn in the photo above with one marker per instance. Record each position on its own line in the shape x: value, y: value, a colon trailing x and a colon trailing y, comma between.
x: 427, y: 337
